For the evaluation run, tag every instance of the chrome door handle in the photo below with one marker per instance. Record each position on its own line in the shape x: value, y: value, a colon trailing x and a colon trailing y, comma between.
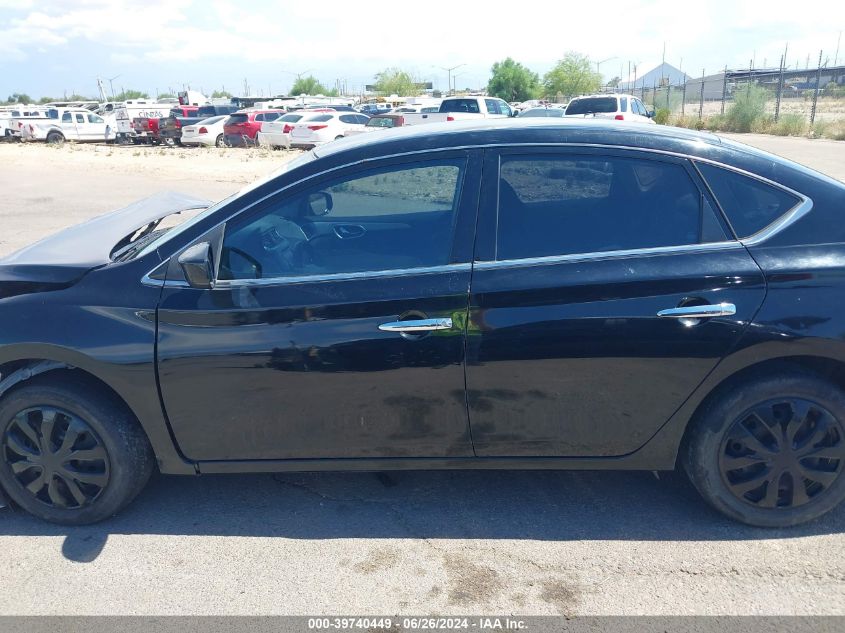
x: 699, y: 312
x: 421, y: 325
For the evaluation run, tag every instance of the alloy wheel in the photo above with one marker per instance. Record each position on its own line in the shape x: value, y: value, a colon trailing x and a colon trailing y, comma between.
x: 782, y: 453
x: 56, y: 457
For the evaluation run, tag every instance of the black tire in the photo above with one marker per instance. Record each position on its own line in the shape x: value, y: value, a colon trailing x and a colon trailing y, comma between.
x: 784, y: 432
x: 337, y: 138
x: 114, y: 458
x: 219, y: 142
x: 55, y: 138
x: 178, y: 142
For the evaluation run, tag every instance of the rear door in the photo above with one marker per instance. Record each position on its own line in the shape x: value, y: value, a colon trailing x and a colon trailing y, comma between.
x: 587, y: 261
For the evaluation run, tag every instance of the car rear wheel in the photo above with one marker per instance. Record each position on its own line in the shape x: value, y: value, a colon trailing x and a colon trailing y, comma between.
x: 70, y: 453
x: 220, y: 142
x: 770, y: 452
x: 55, y: 138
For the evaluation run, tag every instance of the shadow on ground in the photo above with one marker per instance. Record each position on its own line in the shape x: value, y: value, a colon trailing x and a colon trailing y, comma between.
x: 539, y: 505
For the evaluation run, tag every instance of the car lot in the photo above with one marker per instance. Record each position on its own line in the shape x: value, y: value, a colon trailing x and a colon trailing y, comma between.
x: 572, y: 543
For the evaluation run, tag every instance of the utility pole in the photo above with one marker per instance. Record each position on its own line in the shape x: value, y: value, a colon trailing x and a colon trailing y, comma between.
x: 838, y: 42
x: 449, y: 75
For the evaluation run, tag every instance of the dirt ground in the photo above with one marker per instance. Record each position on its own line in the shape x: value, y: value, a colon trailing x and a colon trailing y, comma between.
x: 422, y: 543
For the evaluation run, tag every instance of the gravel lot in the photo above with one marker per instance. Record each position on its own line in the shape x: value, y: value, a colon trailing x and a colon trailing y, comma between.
x: 398, y: 543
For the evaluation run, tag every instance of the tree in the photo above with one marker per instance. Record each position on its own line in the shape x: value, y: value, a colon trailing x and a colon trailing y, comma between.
x: 166, y: 95
x: 572, y: 76
x: 512, y: 81
x: 19, y: 97
x: 221, y: 94
x: 308, y: 86
x: 130, y: 94
x: 395, y: 81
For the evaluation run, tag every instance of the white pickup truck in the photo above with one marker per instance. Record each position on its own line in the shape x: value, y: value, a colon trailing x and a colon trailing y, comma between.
x: 62, y: 124
x: 458, y: 108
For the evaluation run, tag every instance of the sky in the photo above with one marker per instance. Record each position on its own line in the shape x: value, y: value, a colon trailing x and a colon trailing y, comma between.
x: 57, y: 47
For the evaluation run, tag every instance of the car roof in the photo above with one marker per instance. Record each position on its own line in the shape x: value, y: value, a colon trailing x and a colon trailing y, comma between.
x: 539, y: 130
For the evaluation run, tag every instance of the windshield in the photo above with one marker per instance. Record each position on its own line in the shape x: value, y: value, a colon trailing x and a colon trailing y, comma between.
x: 592, y: 105
x: 381, y: 122
x: 235, y: 119
x: 299, y: 161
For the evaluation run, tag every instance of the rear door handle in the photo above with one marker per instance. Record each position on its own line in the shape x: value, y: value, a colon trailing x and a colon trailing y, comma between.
x: 699, y: 312
x: 420, y: 325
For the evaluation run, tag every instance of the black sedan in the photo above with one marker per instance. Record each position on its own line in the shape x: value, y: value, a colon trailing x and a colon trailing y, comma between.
x: 515, y: 294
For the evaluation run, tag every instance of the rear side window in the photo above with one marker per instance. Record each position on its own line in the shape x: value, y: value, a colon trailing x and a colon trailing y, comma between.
x: 460, y: 105
x: 551, y: 205
x: 749, y: 204
x: 592, y: 105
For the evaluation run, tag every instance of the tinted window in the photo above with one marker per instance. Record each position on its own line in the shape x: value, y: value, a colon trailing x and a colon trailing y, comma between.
x: 67, y: 118
x: 237, y: 118
x: 592, y: 105
x: 504, y: 108
x: 460, y: 105
x: 379, y: 121
x: 623, y: 104
x: 80, y: 118
x: 550, y: 205
x: 492, y: 106
x: 291, y: 118
x: 750, y: 205
x: 259, y: 117
x: 319, y: 118
x: 349, y: 118
x: 93, y: 118
x: 395, y: 217
x: 272, y: 116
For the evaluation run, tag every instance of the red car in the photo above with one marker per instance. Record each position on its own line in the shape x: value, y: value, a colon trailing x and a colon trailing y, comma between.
x: 241, y: 127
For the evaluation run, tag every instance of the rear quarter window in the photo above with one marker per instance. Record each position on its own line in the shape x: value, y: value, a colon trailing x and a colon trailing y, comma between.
x: 749, y: 204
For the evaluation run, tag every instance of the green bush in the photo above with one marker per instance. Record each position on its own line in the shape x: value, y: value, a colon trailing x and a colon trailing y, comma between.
x: 748, y: 108
x: 790, y: 125
x: 661, y: 116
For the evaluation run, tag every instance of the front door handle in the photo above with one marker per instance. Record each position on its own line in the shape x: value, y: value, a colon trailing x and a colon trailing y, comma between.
x: 699, y: 312
x: 419, y: 325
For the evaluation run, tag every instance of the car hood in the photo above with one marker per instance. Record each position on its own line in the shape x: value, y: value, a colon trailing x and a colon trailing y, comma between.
x: 63, y: 258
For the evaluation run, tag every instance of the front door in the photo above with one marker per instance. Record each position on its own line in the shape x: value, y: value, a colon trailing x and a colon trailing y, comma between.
x: 588, y: 261
x: 336, y: 327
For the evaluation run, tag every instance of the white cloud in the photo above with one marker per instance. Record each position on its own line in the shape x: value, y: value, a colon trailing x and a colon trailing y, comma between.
x: 190, y: 37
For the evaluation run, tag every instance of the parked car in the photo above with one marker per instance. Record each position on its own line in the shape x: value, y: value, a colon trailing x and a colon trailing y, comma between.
x: 276, y: 134
x: 126, y: 113
x: 614, y: 106
x: 240, y: 128
x: 371, y: 109
x: 146, y: 129
x: 79, y: 125
x: 379, y: 122
x: 456, y: 108
x: 542, y: 112
x: 326, y: 127
x: 644, y: 296
x: 170, y: 127
x: 208, y: 132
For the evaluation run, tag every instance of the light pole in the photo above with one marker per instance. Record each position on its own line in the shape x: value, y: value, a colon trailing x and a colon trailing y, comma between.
x: 297, y: 75
x: 449, y: 74
x: 598, y: 64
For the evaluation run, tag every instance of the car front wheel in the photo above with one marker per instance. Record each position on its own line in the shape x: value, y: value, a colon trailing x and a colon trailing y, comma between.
x: 770, y: 451
x: 70, y: 453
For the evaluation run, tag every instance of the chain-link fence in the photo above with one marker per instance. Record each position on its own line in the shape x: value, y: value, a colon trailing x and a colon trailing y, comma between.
x: 780, y: 100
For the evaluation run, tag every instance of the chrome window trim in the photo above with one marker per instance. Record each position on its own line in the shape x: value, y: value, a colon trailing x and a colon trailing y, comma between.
x: 601, y: 255
x: 783, y: 222
x: 225, y: 284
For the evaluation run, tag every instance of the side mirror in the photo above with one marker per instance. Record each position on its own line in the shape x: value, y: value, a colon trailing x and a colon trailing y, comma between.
x: 319, y: 203
x: 650, y: 113
x: 197, y: 264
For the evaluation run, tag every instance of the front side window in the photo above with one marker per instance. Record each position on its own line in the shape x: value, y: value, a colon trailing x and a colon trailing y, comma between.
x: 492, y: 106
x: 551, y: 205
x: 80, y: 118
x: 93, y: 118
x: 749, y: 204
x: 67, y: 117
x: 389, y: 218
